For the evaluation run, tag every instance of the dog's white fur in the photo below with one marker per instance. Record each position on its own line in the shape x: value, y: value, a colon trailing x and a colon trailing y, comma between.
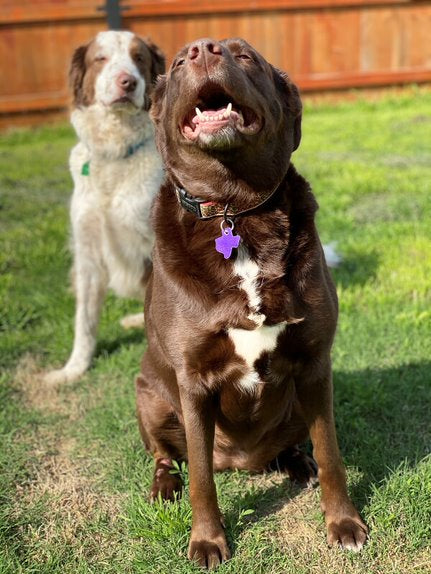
x: 111, y: 233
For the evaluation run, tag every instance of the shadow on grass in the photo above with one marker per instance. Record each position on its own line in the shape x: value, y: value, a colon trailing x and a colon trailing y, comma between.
x: 356, y: 269
x: 382, y: 420
x: 129, y: 337
x: 264, y: 501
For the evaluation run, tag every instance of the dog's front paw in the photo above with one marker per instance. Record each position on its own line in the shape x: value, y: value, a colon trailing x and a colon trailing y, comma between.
x: 64, y: 375
x: 136, y: 321
x: 209, y: 551
x: 349, y: 533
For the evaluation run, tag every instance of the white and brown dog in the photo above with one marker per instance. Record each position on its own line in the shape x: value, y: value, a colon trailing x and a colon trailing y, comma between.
x: 117, y: 172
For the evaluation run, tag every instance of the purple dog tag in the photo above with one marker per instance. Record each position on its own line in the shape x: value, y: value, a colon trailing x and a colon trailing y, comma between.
x: 227, y: 241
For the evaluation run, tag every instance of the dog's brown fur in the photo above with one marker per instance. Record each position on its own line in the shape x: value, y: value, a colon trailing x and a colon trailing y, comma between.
x: 190, y: 402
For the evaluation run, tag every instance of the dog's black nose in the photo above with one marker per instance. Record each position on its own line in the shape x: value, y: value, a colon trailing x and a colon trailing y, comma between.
x: 127, y: 82
x: 205, y: 49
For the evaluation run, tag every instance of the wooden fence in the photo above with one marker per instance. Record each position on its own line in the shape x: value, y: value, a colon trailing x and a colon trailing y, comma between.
x: 323, y: 44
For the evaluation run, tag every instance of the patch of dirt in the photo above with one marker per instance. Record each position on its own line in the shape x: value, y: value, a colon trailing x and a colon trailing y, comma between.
x: 299, y: 520
x: 64, y: 477
x: 421, y: 564
x: 79, y: 516
x: 301, y: 534
x: 43, y: 396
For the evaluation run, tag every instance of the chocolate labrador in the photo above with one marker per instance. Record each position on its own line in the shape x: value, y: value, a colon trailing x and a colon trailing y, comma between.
x: 240, y: 309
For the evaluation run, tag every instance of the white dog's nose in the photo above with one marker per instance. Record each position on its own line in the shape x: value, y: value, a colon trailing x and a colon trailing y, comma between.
x: 127, y: 82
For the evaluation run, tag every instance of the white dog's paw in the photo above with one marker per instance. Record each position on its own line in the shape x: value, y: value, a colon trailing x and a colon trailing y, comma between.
x: 333, y: 259
x: 64, y: 375
x: 133, y: 321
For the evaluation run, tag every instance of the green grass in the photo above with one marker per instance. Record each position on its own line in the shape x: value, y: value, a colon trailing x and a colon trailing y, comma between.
x: 74, y: 475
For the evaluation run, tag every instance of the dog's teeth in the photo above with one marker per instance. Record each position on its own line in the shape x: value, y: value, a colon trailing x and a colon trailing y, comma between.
x: 199, y: 113
x: 228, y: 110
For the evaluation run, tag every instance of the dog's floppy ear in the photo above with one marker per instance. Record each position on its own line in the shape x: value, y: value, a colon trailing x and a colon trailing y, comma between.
x: 157, y: 98
x: 157, y: 60
x: 76, y: 74
x: 290, y: 95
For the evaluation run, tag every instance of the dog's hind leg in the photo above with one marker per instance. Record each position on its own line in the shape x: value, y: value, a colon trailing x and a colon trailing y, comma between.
x: 164, y: 437
x: 137, y: 321
x: 301, y: 467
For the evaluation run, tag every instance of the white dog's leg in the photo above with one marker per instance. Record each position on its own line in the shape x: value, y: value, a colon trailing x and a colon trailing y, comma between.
x: 136, y: 321
x: 90, y: 286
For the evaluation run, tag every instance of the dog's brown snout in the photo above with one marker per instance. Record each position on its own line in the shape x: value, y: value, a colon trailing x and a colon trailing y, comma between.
x: 127, y: 82
x: 204, y: 49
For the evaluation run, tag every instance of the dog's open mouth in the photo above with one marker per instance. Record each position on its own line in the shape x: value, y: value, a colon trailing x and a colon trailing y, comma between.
x: 217, y: 110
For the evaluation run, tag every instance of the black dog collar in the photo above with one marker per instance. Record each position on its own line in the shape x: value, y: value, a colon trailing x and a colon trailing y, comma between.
x: 204, y: 209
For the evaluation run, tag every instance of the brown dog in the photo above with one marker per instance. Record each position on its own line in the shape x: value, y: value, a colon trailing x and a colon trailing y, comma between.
x: 238, y: 370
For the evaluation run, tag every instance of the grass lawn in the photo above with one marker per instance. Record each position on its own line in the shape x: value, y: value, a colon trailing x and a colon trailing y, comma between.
x: 74, y: 475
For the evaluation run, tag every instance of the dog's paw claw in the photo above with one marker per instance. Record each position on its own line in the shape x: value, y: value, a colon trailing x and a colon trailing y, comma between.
x: 209, y: 553
x: 348, y: 533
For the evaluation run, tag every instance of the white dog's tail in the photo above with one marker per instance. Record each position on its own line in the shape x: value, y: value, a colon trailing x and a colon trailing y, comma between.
x: 331, y: 256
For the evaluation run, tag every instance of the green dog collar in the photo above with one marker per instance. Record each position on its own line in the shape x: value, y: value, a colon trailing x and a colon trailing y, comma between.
x: 85, y: 170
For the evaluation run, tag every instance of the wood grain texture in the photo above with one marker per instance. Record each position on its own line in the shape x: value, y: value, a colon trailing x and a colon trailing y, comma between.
x: 322, y: 44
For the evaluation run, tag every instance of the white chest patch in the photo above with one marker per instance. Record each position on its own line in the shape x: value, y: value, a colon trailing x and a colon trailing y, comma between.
x: 249, y: 345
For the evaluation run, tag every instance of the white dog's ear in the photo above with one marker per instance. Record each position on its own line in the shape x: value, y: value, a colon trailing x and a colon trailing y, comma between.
x: 157, y: 68
x: 157, y: 98
x: 157, y: 60
x: 76, y: 74
x: 291, y: 98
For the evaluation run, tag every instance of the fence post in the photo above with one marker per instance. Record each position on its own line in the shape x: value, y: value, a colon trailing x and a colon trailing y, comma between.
x: 113, y: 11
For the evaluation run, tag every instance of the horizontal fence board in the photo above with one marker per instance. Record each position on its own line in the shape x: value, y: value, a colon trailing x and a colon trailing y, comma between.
x: 18, y: 12
x: 36, y: 60
x: 30, y: 102
x: 322, y: 44
x: 321, y: 82
x: 306, y: 43
x: 176, y: 7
